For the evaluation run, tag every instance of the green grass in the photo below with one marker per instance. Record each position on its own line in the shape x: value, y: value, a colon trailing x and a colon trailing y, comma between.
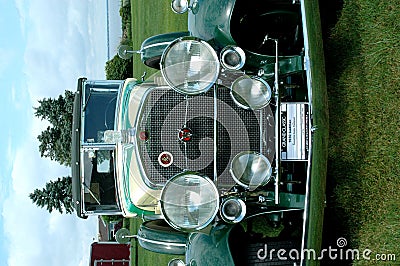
x: 141, y: 256
x: 363, y: 63
x: 320, y: 137
x: 151, y: 17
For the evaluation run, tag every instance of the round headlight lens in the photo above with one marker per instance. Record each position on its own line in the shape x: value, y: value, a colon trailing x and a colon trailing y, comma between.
x: 251, y: 169
x: 190, y: 65
x: 251, y: 93
x: 189, y: 201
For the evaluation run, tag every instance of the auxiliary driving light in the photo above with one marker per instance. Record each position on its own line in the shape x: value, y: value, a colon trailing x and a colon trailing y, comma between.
x: 251, y: 93
x: 232, y: 57
x: 233, y: 210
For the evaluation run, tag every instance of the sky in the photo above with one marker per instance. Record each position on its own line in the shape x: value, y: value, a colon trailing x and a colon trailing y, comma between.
x: 45, y: 46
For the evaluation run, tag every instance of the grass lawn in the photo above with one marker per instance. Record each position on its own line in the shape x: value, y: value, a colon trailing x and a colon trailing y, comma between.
x: 363, y: 70
x: 151, y: 17
x: 143, y: 256
x: 320, y: 137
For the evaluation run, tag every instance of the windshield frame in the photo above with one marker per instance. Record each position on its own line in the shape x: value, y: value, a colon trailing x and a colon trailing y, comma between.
x: 110, y: 89
x: 91, y: 192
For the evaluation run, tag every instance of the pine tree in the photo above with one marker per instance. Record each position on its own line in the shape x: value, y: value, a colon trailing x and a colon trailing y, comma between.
x: 57, y: 195
x: 55, y: 141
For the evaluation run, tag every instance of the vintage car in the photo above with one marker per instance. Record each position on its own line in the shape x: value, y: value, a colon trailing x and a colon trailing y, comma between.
x: 231, y: 131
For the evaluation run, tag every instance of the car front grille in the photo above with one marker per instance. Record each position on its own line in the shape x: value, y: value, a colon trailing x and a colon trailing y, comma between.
x: 220, y: 129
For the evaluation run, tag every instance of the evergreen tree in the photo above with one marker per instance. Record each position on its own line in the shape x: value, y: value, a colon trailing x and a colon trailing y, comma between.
x: 118, y: 68
x: 55, y: 141
x: 57, y: 195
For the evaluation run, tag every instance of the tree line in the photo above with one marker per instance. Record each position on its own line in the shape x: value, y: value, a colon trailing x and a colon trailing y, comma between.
x: 55, y: 143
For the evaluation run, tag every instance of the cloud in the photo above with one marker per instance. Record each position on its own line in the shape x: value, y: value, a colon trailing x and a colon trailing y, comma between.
x: 10, y: 150
x: 21, y: 9
x: 19, y: 98
x: 64, y: 40
x: 34, y: 236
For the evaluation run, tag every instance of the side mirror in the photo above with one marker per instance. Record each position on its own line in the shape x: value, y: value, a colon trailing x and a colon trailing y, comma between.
x: 126, y: 52
x: 176, y: 262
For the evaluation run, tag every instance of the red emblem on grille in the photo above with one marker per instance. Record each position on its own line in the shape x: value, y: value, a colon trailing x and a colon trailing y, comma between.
x: 143, y: 135
x: 165, y: 159
x: 185, y: 134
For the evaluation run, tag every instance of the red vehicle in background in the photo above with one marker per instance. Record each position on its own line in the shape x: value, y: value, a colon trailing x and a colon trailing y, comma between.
x: 109, y: 253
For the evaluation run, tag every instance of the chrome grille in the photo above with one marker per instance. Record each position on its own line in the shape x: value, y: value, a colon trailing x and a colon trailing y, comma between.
x: 165, y: 112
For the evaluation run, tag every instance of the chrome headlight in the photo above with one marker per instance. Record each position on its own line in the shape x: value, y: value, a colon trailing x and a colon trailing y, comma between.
x: 251, y: 169
x: 189, y: 65
x: 182, y: 6
x: 251, y: 93
x: 189, y: 201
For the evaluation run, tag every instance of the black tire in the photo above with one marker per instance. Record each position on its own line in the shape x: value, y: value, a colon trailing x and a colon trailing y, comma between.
x: 153, y: 62
x: 168, y: 240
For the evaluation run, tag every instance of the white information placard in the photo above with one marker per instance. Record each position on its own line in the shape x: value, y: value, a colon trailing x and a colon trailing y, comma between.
x: 294, y: 131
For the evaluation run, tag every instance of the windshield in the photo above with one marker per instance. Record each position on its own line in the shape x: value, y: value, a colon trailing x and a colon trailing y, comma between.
x: 98, y: 110
x: 99, y: 180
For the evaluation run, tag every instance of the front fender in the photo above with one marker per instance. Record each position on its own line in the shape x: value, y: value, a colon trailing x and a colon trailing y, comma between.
x: 153, y: 47
x: 210, y: 249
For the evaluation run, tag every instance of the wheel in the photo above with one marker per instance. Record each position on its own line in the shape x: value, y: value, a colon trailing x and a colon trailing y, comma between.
x: 158, y: 236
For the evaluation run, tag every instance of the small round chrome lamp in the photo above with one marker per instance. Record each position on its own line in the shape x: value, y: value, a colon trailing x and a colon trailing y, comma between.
x: 179, y: 6
x: 176, y: 262
x: 251, y: 93
x: 232, y: 210
x: 189, y: 201
x: 250, y: 169
x: 232, y: 57
x: 182, y: 6
x: 190, y: 65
